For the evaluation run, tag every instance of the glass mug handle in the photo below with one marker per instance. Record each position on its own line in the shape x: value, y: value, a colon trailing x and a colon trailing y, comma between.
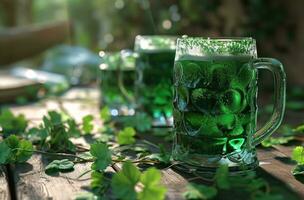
x: 121, y: 86
x: 279, y: 76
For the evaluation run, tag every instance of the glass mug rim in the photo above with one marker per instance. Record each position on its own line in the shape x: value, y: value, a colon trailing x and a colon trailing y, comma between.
x: 215, y: 46
x: 145, y: 43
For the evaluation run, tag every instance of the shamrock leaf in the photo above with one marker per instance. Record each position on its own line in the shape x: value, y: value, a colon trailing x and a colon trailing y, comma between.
x: 86, y: 196
x: 25, y: 151
x: 73, y: 129
x: 11, y: 124
x: 35, y: 134
x: 271, y: 141
x: 5, y: 152
x: 299, y: 128
x: 21, y: 150
x: 59, y: 165
x: 202, y: 192
x: 102, y: 155
x: 298, y: 170
x: 163, y: 157
x: 222, y: 177
x: 123, y: 182
x: 99, y: 183
x: 126, y: 136
x: 141, y: 121
x: 298, y: 155
x: 87, y: 126
x: 105, y: 114
x: 55, y: 117
x: 14, y: 150
x: 152, y: 190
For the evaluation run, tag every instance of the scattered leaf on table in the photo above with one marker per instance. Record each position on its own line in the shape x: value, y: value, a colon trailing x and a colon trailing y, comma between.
x: 298, y: 155
x: 103, y: 156
x: 87, y: 124
x: 126, y: 136
x: 21, y: 150
x: 59, y: 165
x: 105, y: 114
x: 11, y: 124
x: 199, y: 192
x: 298, y: 170
x: 152, y: 190
x: 5, y: 152
x: 271, y: 141
x: 123, y: 182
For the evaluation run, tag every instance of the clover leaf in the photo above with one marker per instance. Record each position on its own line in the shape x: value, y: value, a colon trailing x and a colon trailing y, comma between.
x: 123, y: 182
x: 126, y: 136
x: 199, y: 192
x: 59, y: 165
x: 87, y: 126
x: 152, y: 190
x: 102, y: 155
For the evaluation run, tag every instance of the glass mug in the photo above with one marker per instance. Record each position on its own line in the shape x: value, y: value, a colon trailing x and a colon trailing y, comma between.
x: 154, y: 77
x: 215, y: 110
x: 116, y: 81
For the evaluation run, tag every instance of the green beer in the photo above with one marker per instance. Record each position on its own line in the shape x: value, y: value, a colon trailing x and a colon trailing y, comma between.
x: 215, y: 110
x: 117, y: 77
x: 154, y: 76
x: 214, y: 103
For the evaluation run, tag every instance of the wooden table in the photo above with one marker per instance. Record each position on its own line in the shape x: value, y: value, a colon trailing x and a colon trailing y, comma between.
x: 31, y: 182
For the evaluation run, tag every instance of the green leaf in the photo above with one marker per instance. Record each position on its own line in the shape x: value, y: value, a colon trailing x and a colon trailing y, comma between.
x: 55, y: 117
x: 163, y: 157
x: 59, y: 165
x: 86, y: 196
x: 126, y: 136
x: 87, y: 125
x: 21, y: 150
x: 102, y: 154
x: 298, y: 155
x: 222, y: 177
x: 123, y: 182
x: 298, y: 170
x: 299, y: 128
x: 37, y: 134
x: 5, y: 152
x: 73, y: 129
x: 199, y: 192
x: 11, y: 124
x: 141, y: 121
x: 96, y: 180
x: 152, y: 190
x: 99, y: 183
x: 271, y: 141
x: 105, y: 114
x: 25, y: 151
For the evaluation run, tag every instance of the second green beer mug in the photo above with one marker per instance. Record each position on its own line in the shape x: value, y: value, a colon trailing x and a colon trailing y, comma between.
x: 215, y: 109
x: 154, y: 68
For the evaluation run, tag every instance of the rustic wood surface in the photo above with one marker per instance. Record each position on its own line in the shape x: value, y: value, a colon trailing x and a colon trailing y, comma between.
x: 4, y: 194
x: 33, y: 183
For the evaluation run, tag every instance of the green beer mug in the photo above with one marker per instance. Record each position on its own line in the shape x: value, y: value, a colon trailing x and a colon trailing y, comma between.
x: 153, y: 86
x: 116, y: 82
x: 215, y: 109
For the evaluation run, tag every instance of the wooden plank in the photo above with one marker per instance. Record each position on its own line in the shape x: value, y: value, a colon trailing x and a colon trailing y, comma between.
x: 280, y: 167
x: 4, y: 192
x: 31, y: 181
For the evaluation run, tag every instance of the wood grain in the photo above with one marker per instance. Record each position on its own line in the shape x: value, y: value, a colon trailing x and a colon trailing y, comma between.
x: 4, y: 192
x: 280, y: 166
x: 31, y: 181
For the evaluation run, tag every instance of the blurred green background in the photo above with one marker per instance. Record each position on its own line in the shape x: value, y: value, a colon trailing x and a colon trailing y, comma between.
x: 112, y: 24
